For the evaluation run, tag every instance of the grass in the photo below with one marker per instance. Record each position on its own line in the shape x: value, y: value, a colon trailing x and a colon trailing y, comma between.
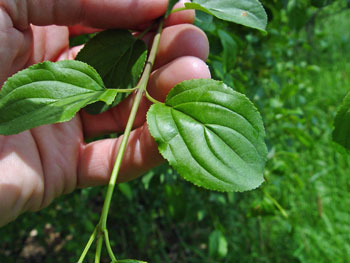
x: 308, y: 174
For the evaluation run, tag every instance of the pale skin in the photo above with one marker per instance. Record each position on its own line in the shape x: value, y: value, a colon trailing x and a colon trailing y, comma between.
x: 39, y: 165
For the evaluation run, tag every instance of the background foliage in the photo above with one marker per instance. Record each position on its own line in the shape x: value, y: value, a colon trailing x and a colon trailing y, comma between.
x: 297, y: 75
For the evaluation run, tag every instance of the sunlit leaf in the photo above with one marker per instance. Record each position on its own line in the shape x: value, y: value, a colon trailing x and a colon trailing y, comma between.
x: 212, y: 135
x: 49, y: 93
x: 248, y: 12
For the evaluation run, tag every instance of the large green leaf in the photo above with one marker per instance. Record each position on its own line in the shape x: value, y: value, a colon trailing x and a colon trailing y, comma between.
x: 49, y: 93
x: 245, y: 12
x: 342, y: 124
x: 119, y: 58
x: 212, y: 135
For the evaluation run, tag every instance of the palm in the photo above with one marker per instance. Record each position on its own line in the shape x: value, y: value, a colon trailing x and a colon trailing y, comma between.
x: 46, y: 160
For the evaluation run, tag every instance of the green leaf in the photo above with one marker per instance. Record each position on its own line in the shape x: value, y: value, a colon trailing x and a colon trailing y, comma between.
x: 342, y: 124
x: 170, y: 7
x: 229, y: 50
x: 212, y: 135
x: 48, y: 93
x: 119, y: 58
x: 203, y: 19
x: 248, y: 12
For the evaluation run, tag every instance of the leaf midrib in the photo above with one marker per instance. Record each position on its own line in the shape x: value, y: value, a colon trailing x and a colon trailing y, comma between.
x: 205, y: 127
x: 206, y: 169
x: 56, y: 99
x: 212, y: 103
x: 50, y: 104
x: 119, y: 58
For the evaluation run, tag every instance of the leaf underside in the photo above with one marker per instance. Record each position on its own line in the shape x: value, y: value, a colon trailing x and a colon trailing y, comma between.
x: 119, y: 58
x: 212, y: 135
x: 248, y: 12
x: 49, y: 93
x: 342, y: 124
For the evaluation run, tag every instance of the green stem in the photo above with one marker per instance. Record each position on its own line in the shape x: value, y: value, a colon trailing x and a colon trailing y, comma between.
x: 178, y: 10
x: 141, y: 35
x: 108, y: 246
x: 141, y: 88
x: 125, y: 90
x: 275, y: 202
x: 98, y: 249
x: 151, y: 99
x: 88, y: 245
x: 101, y: 228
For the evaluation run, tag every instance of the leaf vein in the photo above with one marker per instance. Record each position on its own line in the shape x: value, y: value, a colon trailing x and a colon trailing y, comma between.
x: 205, y: 168
x: 225, y: 108
x: 236, y: 131
x: 16, y: 89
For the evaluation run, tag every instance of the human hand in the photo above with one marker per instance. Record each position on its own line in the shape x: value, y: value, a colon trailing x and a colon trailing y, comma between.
x: 39, y: 165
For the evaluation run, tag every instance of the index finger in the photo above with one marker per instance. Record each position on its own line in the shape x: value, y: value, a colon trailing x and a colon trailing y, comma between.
x: 93, y: 13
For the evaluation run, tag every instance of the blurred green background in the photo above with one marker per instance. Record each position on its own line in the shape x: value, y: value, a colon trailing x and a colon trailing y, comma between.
x: 297, y: 75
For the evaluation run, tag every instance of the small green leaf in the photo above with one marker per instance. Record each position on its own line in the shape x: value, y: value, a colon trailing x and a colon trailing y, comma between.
x: 119, y: 58
x: 342, y: 124
x: 170, y: 7
x: 212, y: 135
x: 248, y: 12
x: 48, y: 93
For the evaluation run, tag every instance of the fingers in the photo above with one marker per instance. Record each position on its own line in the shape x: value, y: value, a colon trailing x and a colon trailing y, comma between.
x: 93, y: 13
x: 49, y: 43
x: 70, y: 53
x: 21, y: 176
x: 97, y: 158
x: 21, y: 47
x: 181, y: 69
x: 181, y: 40
x: 186, y: 16
x: 80, y: 29
x: 13, y: 48
x: 161, y: 82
